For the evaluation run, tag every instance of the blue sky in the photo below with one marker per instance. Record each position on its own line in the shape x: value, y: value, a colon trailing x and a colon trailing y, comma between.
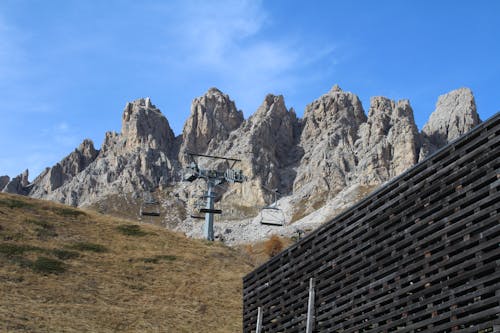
x: 67, y: 68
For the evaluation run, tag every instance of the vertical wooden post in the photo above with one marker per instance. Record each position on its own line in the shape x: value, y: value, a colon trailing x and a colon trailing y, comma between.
x: 259, y: 320
x: 310, y: 307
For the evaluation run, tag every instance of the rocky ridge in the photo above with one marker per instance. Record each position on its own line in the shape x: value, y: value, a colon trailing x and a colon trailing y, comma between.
x: 455, y: 112
x: 311, y: 161
x: 138, y: 158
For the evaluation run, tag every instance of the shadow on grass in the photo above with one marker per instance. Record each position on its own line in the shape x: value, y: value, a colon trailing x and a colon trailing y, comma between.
x: 14, y: 203
x: 87, y: 247
x: 68, y: 212
x: 131, y: 230
x: 9, y: 249
x: 158, y: 258
x: 46, y: 265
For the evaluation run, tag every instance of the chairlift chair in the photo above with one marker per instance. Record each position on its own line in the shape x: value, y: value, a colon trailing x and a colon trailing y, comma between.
x: 272, y: 214
x: 149, y: 207
x: 198, y: 205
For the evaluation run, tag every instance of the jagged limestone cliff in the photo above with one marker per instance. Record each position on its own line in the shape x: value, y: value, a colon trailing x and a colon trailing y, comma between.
x: 310, y: 160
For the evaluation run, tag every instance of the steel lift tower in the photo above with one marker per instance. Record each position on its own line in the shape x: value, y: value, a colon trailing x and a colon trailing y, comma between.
x: 213, y: 179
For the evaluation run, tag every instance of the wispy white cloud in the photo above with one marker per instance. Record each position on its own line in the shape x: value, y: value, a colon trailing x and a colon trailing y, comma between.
x: 211, y: 33
x: 230, y: 44
x: 61, y: 134
x: 228, y: 40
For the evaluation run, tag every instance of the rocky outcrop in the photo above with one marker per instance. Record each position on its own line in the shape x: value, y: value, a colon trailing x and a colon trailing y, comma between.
x: 267, y: 145
x: 388, y: 142
x: 4, y: 180
x: 145, y: 127
x: 213, y: 117
x: 455, y: 114
x: 61, y: 173
x: 131, y: 162
x: 330, y: 130
x: 18, y: 185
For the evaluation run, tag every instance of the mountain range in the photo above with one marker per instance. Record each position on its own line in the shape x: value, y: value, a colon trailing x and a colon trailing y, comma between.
x: 335, y: 151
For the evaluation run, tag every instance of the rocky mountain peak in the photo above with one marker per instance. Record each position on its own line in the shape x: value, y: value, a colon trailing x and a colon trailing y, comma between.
x: 455, y: 114
x: 388, y: 142
x: 214, y: 91
x: 70, y: 166
x: 329, y: 131
x: 18, y: 185
x: 384, y: 112
x: 87, y: 149
x: 333, y: 112
x: 266, y: 145
x: 335, y: 89
x: 213, y: 117
x: 4, y: 180
x: 24, y: 178
x: 143, y: 125
x: 272, y: 107
x: 274, y: 127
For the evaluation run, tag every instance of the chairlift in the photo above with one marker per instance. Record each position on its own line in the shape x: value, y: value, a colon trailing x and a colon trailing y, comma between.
x: 150, y: 206
x: 272, y: 214
x: 198, y: 205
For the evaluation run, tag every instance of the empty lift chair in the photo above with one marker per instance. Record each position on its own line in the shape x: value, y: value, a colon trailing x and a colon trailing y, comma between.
x: 272, y: 214
x: 198, y: 204
x: 150, y: 206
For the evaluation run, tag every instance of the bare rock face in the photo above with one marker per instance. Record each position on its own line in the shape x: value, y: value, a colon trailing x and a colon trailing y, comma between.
x: 4, y: 180
x: 330, y: 130
x: 388, y: 142
x: 455, y: 114
x: 18, y: 185
x: 144, y: 126
x: 53, y: 178
x: 213, y: 117
x: 130, y: 162
x: 266, y: 144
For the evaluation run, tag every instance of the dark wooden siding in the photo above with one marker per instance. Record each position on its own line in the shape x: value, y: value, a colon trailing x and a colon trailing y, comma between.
x: 420, y: 254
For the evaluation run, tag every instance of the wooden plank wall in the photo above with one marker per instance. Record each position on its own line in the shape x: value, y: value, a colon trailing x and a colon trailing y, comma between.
x: 420, y: 254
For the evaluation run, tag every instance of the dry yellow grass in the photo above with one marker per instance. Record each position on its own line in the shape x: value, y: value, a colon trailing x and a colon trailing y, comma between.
x: 144, y: 279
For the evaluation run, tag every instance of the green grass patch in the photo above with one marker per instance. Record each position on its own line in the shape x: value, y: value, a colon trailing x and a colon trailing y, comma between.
x: 68, y: 212
x: 157, y: 259
x: 44, y: 234
x: 21, y: 261
x: 40, y: 223
x: 88, y: 247
x: 46, y: 265
x: 167, y: 257
x: 14, y: 203
x: 131, y: 230
x: 9, y: 249
x: 45, y: 230
x: 65, y: 254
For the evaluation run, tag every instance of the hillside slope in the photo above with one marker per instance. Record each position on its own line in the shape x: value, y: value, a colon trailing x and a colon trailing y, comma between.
x: 63, y: 269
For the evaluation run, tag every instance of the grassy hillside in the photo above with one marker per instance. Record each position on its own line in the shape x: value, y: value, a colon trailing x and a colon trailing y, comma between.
x: 67, y: 270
